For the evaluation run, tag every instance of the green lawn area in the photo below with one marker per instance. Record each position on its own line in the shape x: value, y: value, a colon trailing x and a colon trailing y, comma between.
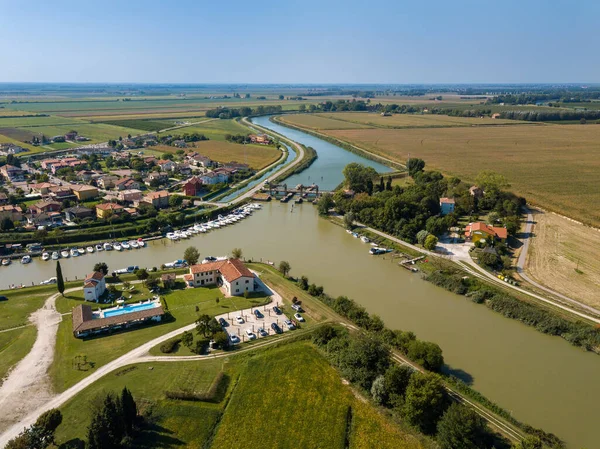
x: 214, y: 129
x: 101, y: 350
x: 14, y: 345
x: 273, y: 403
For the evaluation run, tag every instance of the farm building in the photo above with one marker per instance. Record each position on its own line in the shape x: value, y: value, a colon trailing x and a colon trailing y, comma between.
x: 479, y: 230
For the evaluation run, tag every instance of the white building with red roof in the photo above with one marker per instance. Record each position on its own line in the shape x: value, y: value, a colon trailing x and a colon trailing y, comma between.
x: 94, y: 286
x: 232, y: 275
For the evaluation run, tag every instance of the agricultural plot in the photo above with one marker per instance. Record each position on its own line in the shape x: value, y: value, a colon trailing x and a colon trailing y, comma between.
x: 555, y: 166
x: 143, y: 125
x: 31, y: 122
x: 414, y: 120
x: 214, y: 129
x: 96, y: 132
x: 319, y: 122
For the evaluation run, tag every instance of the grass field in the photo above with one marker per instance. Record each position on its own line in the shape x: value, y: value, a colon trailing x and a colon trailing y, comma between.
x: 274, y: 404
x: 321, y: 121
x: 559, y: 248
x: 413, y: 120
x: 554, y: 166
x: 96, y: 132
x: 214, y: 129
x: 99, y: 351
x: 256, y: 156
x: 142, y: 125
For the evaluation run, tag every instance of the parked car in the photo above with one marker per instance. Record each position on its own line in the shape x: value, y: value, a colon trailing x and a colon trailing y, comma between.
x: 48, y: 281
x: 239, y: 319
x: 258, y: 314
x: 234, y: 339
x: 277, y: 310
x: 299, y: 317
x: 276, y: 328
x: 262, y: 332
x: 297, y: 308
x: 223, y: 322
x: 3, y: 298
x: 251, y: 335
x: 289, y: 324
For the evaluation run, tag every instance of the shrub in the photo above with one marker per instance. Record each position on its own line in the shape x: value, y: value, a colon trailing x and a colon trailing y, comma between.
x: 170, y: 345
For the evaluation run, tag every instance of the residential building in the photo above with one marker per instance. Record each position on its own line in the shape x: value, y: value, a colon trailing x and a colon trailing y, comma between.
x: 200, y: 161
x: 94, y: 286
x: 232, y: 275
x: 130, y: 195
x: 45, y: 206
x: 184, y: 169
x: 79, y: 212
x: 166, y: 165
x: 214, y: 177
x: 479, y: 230
x: 10, y: 148
x: 168, y: 280
x: 447, y: 205
x: 12, y: 173
x: 43, y: 188
x: 193, y: 186
x: 60, y: 193
x: 45, y: 219
x: 106, y: 210
x: 107, y: 182
x: 88, y: 175
x: 58, y: 139
x: 262, y: 139
x: 150, y: 160
x: 179, y: 143
x: 158, y: 199
x: 162, y: 178
x: 127, y: 184
x: 84, y: 192
x: 99, y: 150
x: 87, y: 322
x: 3, y: 198
x: 15, y: 213
x: 71, y: 135
x: 47, y: 164
x: 124, y: 172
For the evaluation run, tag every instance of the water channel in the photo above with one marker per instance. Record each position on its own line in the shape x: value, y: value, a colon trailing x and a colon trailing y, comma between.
x: 542, y: 380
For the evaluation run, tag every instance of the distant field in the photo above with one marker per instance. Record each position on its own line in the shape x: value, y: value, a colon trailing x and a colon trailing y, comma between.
x: 413, y: 120
x: 27, y: 122
x: 143, y: 125
x: 555, y: 166
x: 214, y: 129
x: 321, y: 121
x: 96, y: 132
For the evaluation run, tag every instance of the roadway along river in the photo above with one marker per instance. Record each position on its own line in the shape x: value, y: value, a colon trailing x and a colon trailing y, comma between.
x: 542, y: 380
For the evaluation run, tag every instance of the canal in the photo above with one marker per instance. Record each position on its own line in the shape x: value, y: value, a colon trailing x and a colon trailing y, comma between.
x: 541, y: 380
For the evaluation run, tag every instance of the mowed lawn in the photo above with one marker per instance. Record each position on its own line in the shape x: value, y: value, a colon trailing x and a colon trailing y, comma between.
x: 554, y: 166
x: 101, y: 350
x: 284, y: 397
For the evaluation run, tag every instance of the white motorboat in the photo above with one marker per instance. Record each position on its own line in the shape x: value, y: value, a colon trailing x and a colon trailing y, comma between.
x: 134, y: 244
x: 55, y: 255
x: 65, y: 253
x: 141, y: 243
x: 125, y: 245
x: 46, y: 256
x: 172, y: 236
x: 81, y: 251
x: 117, y: 246
x: 365, y: 239
x: 6, y: 262
x: 99, y: 247
x: 107, y: 247
x: 26, y: 259
x: 90, y: 249
x: 74, y: 252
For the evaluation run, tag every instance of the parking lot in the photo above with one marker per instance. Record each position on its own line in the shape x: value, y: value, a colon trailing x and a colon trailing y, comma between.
x: 253, y: 323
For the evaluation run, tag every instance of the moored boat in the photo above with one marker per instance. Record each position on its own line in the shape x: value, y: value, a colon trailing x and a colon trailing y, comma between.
x: 81, y: 251
x: 99, y: 247
x: 107, y: 247
x: 125, y: 245
x: 117, y: 246
x: 65, y: 253
x: 5, y: 262
x: 90, y: 249
x: 26, y: 259
x: 365, y: 239
x: 55, y: 255
x: 74, y: 252
x: 45, y: 256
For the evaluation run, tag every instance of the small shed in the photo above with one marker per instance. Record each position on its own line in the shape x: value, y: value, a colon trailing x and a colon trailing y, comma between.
x: 168, y: 280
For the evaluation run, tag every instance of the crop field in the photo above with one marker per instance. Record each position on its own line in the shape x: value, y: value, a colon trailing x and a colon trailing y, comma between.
x: 143, y: 125
x: 27, y: 122
x: 214, y: 129
x: 554, y: 166
x: 563, y: 255
x: 414, y: 120
x: 320, y: 121
x: 96, y: 132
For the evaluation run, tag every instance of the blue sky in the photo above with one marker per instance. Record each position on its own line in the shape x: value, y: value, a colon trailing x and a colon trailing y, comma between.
x: 186, y: 41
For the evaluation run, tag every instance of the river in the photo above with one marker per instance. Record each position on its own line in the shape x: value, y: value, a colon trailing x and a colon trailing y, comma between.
x: 542, y: 380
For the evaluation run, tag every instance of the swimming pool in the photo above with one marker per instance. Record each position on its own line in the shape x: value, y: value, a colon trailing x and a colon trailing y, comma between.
x: 129, y: 309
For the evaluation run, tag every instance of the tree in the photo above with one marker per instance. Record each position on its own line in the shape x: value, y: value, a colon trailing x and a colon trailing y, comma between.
x: 359, y: 178
x: 187, y: 339
x: 175, y: 200
x: 101, y: 267
x: 414, y: 166
x: 191, y: 255
x: 303, y: 283
x: 203, y: 326
x: 425, y: 402
x: 40, y: 434
x: 221, y: 340
x: 379, y: 390
x: 381, y: 184
x: 151, y: 282
x: 363, y: 360
x: 236, y: 253
x: 325, y: 203
x: 430, y: 242
x: 60, y: 282
x: 491, y: 182
x: 489, y: 258
x: 128, y: 410
x: 427, y: 354
x: 530, y: 442
x: 421, y: 236
x: 106, y: 429
x: 388, y: 184
x: 6, y: 224
x: 284, y: 267
x: 462, y: 428
x: 142, y: 274
x: 349, y: 220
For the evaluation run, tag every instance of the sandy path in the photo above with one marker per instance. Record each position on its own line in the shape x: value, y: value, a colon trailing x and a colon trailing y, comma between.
x: 27, y: 386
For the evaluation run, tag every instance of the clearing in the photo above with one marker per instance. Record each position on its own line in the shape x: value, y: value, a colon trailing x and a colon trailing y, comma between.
x: 559, y: 248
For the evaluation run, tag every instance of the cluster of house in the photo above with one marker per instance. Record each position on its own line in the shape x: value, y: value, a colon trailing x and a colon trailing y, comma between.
x: 261, y: 139
x: 71, y: 136
x: 53, y: 165
x: 10, y: 148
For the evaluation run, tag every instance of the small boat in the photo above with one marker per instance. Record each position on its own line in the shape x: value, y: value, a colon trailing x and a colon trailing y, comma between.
x: 81, y: 251
x: 141, y: 242
x: 134, y: 244
x: 5, y: 262
x: 125, y: 245
x: 99, y: 247
x: 74, y: 252
x: 26, y: 259
x: 107, y: 247
x: 90, y: 249
x: 365, y: 239
x: 46, y: 256
x: 117, y: 246
x: 55, y: 255
x: 172, y: 236
x: 376, y: 250
x: 348, y: 231
x: 65, y: 253
x: 355, y: 235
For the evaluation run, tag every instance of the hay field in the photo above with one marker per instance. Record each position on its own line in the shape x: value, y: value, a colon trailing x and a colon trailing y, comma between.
x: 554, y: 166
x: 413, y: 120
x: 320, y: 121
x: 561, y: 246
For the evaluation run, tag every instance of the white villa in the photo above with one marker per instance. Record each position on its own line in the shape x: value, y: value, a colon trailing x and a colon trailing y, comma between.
x: 94, y: 286
x: 230, y: 274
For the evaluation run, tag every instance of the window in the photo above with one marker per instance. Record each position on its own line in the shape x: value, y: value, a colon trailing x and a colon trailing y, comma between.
x: 237, y: 290
x: 237, y: 283
x: 247, y: 281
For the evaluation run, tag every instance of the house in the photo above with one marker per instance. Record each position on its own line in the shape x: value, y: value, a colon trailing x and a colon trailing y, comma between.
x: 88, y: 175
x: 193, y: 186
x: 476, y: 192
x: 179, y: 143
x: 262, y: 139
x: 124, y: 172
x: 184, y: 169
x: 99, y: 150
x: 60, y: 193
x: 168, y: 280
x: 71, y: 135
x: 3, y: 198
x: 496, y: 115
x: 15, y: 213
x: 127, y: 184
x: 230, y: 274
x: 158, y: 199
x: 84, y: 192
x: 107, y: 182
x: 12, y: 173
x: 45, y: 206
x: 199, y: 160
x: 150, y: 160
x: 479, y: 230
x: 447, y: 205
x: 43, y: 188
x: 10, y: 148
x: 130, y: 196
x: 47, y: 164
x: 166, y: 165
x: 214, y: 177
x: 162, y: 178
x: 87, y: 322
x: 57, y: 139
x: 78, y: 212
x: 106, y: 210
x: 94, y: 286
x: 45, y: 219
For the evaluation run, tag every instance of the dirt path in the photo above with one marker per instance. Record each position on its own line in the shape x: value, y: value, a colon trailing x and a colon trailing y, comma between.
x: 27, y: 386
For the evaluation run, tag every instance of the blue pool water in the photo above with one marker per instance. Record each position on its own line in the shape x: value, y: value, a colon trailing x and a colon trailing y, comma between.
x: 129, y: 309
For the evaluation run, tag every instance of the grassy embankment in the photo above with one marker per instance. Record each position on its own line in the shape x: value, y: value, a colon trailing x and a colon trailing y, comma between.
x: 269, y: 399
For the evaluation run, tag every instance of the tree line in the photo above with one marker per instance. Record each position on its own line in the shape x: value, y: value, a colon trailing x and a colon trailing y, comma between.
x: 245, y: 111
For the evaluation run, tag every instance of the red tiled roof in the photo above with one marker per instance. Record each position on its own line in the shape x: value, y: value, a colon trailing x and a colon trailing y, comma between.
x: 231, y: 269
x: 499, y: 232
x: 96, y: 275
x: 109, y: 206
x: 447, y: 200
x: 83, y: 318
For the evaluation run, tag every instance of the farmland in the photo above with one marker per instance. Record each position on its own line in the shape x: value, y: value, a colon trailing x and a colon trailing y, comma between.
x: 554, y: 166
x: 414, y: 120
x: 143, y: 125
x: 272, y: 401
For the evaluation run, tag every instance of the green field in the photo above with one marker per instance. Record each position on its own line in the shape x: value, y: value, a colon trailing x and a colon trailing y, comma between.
x: 142, y: 125
x: 553, y: 166
x: 273, y: 404
x: 213, y: 129
x: 99, y: 351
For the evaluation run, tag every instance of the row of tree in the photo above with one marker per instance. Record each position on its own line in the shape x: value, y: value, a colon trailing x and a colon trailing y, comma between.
x: 245, y: 111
